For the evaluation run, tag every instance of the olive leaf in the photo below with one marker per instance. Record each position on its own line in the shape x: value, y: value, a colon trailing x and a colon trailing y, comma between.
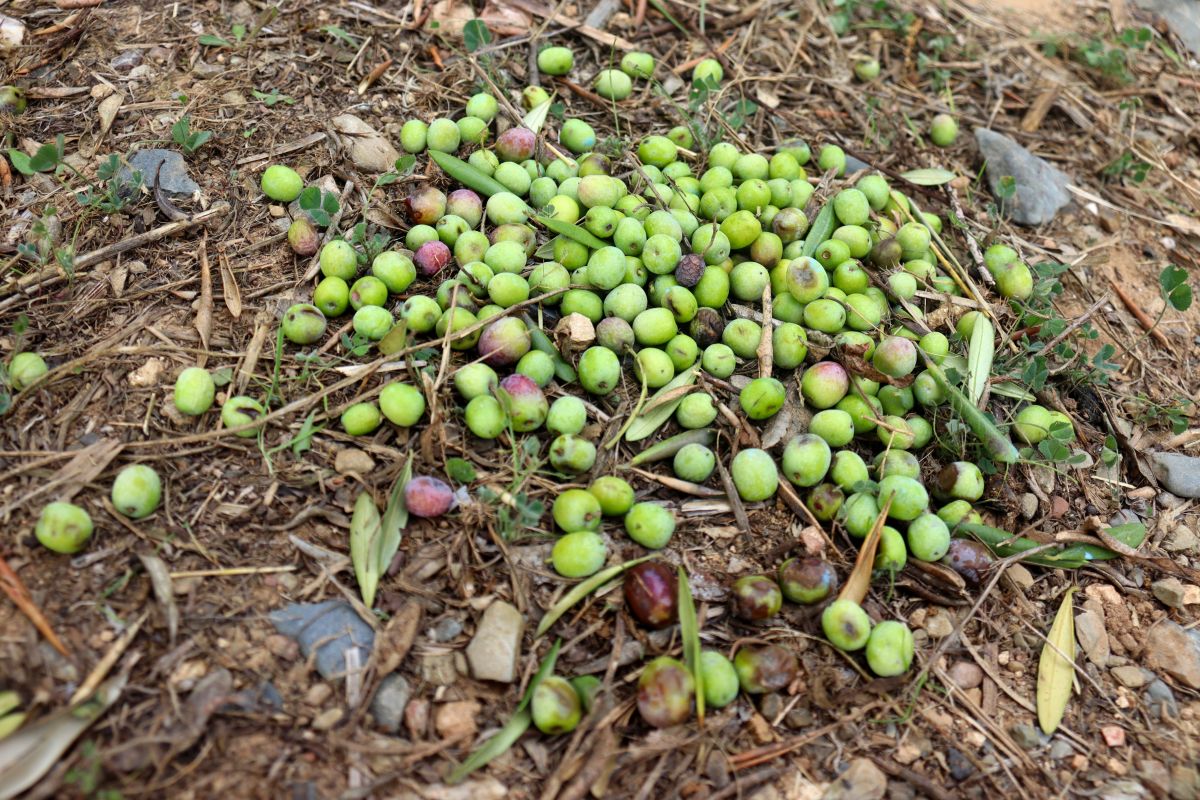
x: 657, y: 412
x: 689, y: 632
x: 536, y: 117
x: 982, y: 350
x: 365, y: 528
x: 928, y: 177
x: 1056, y: 669
x: 582, y: 590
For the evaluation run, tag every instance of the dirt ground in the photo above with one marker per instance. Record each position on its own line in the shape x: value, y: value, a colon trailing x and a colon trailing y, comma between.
x: 217, y: 703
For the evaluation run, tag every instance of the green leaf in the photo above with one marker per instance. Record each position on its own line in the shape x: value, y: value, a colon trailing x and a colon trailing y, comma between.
x: 460, y: 470
x: 391, y: 527
x: 303, y: 439
x: 928, y: 177
x: 979, y: 358
x: 650, y: 421
x: 329, y: 203
x: 1007, y: 187
x: 319, y: 217
x: 48, y: 156
x: 405, y: 164
x: 310, y: 198
x: 365, y: 528
x: 340, y: 35
x: 1056, y: 669
x: 21, y: 162
x: 536, y: 116
x: 582, y: 590
x: 997, y: 444
x: 689, y: 633
x: 821, y: 229
x: 208, y: 40
x: 476, y: 35
x: 1175, y: 287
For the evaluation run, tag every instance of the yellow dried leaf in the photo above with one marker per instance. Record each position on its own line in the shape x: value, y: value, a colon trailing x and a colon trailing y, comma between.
x: 1056, y: 669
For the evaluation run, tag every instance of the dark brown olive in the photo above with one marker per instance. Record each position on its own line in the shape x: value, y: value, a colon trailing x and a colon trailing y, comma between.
x: 765, y: 668
x: 968, y: 558
x: 707, y: 326
x: 689, y: 270
x: 651, y: 594
x: 807, y: 580
x: 756, y: 597
x: 886, y: 253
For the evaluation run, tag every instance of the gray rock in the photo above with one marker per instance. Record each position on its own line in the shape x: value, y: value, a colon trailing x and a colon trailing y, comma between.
x: 447, y: 629
x: 1175, y: 651
x: 173, y: 178
x: 1182, y: 540
x: 961, y: 767
x: 1122, y: 790
x: 494, y: 649
x: 1169, y: 591
x: 330, y: 629
x: 1179, y: 474
x: 854, y: 164
x: 438, y: 669
x: 1041, y: 189
x: 862, y: 780
x: 126, y: 61
x: 1027, y: 736
x: 1132, y: 677
x: 1159, y: 699
x: 368, y: 149
x: 1060, y: 749
x: 1029, y: 505
x: 1182, y: 15
x: 1092, y: 636
x: 387, y: 707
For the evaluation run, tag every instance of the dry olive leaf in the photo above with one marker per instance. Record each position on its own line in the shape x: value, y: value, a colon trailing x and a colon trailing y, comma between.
x: 1056, y: 669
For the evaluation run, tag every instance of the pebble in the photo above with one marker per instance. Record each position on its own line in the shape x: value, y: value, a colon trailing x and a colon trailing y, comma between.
x: 1060, y: 749
x: 966, y: 674
x: 1028, y: 505
x: 1092, y: 636
x: 770, y: 706
x: 366, y: 147
x: 456, y: 720
x: 391, y: 698
x: 282, y: 647
x: 416, y: 718
x: 352, y: 461
x: 1114, y: 735
x: 1185, y: 782
x: 1160, y: 700
x: 1178, y: 474
x: 1132, y: 677
x: 438, y: 669
x: 939, y: 625
x: 494, y: 649
x: 862, y: 780
x: 1020, y: 576
x: 1041, y: 189
x: 1171, y: 649
x: 317, y: 694
x: 1026, y: 736
x: 446, y: 630
x: 126, y: 61
x: 1169, y: 591
x: 327, y: 719
x: 173, y: 179
x: 330, y: 628
x: 1154, y: 774
x: 960, y: 766
x: 1182, y: 540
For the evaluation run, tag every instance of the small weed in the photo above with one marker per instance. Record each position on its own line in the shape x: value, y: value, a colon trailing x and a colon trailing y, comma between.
x: 86, y: 777
x: 273, y: 98
x: 241, y: 35
x: 116, y: 190
x: 320, y: 206
x: 186, y: 138
x: 1174, y: 415
x: 1112, y: 59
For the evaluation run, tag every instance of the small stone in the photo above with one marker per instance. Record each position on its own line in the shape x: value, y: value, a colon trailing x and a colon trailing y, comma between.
x: 233, y: 98
x: 966, y: 674
x: 1060, y: 749
x: 282, y: 647
x: 1160, y: 700
x: 391, y: 698
x: 717, y: 769
x: 1171, y: 649
x: 494, y: 649
x: 438, y: 669
x: 1114, y: 735
x: 771, y: 705
x: 416, y: 718
x: 1028, y: 506
x: 352, y: 461
x: 330, y: 628
x: 906, y: 753
x: 1020, y: 576
x: 862, y: 780
x: 1169, y: 591
x: 1041, y: 189
x: 446, y: 630
x: 960, y: 766
x: 126, y: 61
x: 365, y: 146
x: 939, y: 625
x: 1182, y: 540
x: 1092, y: 636
x: 760, y: 729
x: 1185, y: 783
x: 457, y: 720
x: 1178, y: 474
x: 172, y: 179
x: 1026, y: 736
x: 1132, y: 677
x: 327, y: 719
x: 799, y: 719
x: 317, y: 694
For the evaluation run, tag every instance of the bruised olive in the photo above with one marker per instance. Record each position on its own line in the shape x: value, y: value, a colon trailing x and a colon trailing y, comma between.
x: 765, y: 668
x: 651, y: 594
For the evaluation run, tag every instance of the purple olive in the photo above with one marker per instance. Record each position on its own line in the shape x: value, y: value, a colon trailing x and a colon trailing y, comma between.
x: 431, y: 257
x: 651, y: 592
x: 303, y: 237
x: 689, y: 270
x: 665, y: 693
x: 765, y: 668
x: 968, y: 558
x: 425, y: 206
x: 516, y: 144
x: 504, y: 342
x: 428, y: 497
x: 825, y: 500
x: 807, y: 580
x: 466, y: 204
x: 756, y: 597
x: 523, y: 401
